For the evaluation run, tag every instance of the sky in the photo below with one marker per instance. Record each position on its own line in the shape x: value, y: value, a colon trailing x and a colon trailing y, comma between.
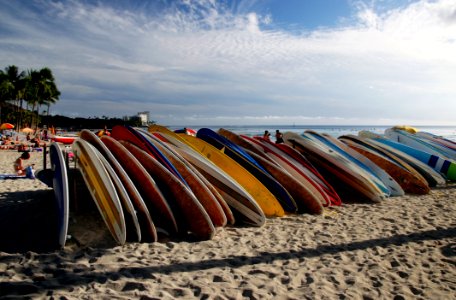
x: 244, y: 62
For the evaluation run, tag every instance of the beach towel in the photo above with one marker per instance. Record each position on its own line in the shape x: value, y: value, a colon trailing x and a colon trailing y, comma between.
x: 29, y: 174
x: 12, y: 176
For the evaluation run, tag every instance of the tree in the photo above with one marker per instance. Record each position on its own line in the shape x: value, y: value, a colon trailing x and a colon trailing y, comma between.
x: 11, y: 85
x: 40, y: 89
x: 5, y: 87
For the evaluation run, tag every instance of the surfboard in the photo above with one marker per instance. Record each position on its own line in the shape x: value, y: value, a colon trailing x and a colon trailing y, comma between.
x: 280, y: 160
x: 101, y: 188
x: 61, y: 191
x: 300, y: 160
x: 447, y: 167
x: 133, y: 231
x: 158, y: 207
x: 231, y: 150
x: 366, y: 139
x: 265, y: 199
x: 297, y: 170
x: 345, y: 177
x: 364, y: 170
x: 242, y: 142
x: 199, y: 188
x: 128, y: 133
x: 243, y: 206
x: 411, y: 140
x: 148, y: 231
x: 67, y: 140
x: 406, y: 128
x: 432, y: 177
x: 411, y: 182
x: 437, y: 139
x: 307, y: 198
x: 214, y: 138
x: 154, y: 129
x: 388, y: 181
x: 190, y: 214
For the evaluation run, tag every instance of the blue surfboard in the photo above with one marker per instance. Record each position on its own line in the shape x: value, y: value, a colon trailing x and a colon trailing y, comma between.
x: 438, y: 163
x: 360, y: 164
x: 282, y: 195
x: 208, y: 134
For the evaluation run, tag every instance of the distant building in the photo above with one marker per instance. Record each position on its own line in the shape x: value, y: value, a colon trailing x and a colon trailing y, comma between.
x: 144, y: 117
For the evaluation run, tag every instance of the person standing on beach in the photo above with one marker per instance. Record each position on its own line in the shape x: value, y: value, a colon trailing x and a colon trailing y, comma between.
x: 45, y: 135
x: 266, y: 135
x: 19, y: 163
x: 279, y: 137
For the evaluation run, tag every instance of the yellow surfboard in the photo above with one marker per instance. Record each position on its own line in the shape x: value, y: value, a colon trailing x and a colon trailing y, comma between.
x: 102, y: 189
x: 238, y: 199
x: 265, y: 199
x: 409, y: 129
x: 163, y: 129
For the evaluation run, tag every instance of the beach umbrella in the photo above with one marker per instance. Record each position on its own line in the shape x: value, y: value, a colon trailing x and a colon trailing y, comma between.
x: 27, y: 130
x: 6, y: 126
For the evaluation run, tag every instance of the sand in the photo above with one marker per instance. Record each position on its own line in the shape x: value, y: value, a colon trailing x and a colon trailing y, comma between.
x: 403, y: 248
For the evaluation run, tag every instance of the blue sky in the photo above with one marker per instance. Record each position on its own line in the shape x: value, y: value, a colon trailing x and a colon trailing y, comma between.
x: 207, y: 62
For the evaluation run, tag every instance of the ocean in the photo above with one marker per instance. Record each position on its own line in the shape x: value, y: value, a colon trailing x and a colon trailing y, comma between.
x: 448, y: 132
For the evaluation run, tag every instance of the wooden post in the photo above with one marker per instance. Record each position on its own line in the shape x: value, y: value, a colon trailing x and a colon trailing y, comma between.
x: 44, y: 156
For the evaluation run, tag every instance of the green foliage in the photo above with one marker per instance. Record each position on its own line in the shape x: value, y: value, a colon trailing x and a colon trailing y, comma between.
x: 76, y: 124
x: 37, y: 88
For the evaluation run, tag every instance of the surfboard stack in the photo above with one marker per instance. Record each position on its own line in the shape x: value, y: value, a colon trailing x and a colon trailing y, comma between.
x: 149, y: 183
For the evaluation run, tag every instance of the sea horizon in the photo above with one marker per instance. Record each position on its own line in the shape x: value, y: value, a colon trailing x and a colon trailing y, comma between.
x: 334, y: 130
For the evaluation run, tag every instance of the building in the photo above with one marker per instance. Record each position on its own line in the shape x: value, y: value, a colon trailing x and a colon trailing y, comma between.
x: 144, y: 117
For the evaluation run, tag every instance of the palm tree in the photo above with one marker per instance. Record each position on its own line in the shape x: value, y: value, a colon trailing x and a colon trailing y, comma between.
x: 41, y: 89
x: 53, y: 97
x: 4, y: 91
x: 11, y: 85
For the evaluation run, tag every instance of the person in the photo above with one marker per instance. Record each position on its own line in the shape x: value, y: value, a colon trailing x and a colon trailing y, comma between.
x: 279, y: 137
x: 266, y: 135
x: 45, y: 134
x: 36, y: 141
x: 7, y: 143
x: 104, y: 132
x: 19, y: 163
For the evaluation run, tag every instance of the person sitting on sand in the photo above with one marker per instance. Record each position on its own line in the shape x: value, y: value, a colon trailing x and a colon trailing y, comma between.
x: 8, y: 143
x: 19, y: 167
x: 23, y: 147
x: 279, y: 137
x: 36, y: 141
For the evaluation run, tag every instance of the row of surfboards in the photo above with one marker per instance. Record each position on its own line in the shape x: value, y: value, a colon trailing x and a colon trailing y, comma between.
x: 147, y: 183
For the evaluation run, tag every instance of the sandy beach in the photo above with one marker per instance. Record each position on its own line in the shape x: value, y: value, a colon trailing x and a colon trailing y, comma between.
x: 403, y: 248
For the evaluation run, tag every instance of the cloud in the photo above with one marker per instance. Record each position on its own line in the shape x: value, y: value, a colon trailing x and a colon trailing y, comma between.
x: 219, y: 62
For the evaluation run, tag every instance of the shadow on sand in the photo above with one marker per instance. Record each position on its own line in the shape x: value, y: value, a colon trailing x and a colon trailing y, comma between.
x: 28, y: 221
x: 58, y: 277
